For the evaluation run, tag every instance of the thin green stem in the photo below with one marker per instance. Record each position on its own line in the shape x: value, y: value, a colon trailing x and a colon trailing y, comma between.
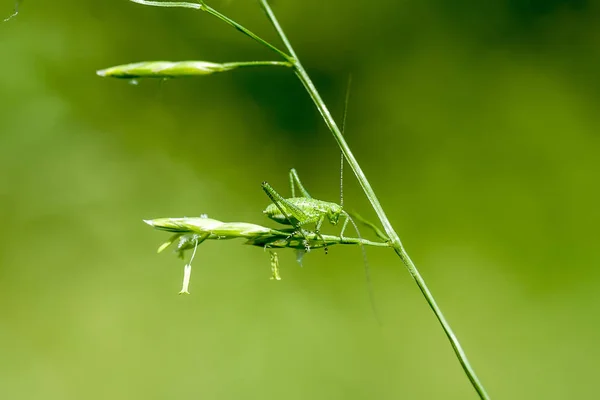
x: 244, y: 64
x: 331, y: 240
x: 394, y: 239
x: 246, y: 32
x: 204, y: 7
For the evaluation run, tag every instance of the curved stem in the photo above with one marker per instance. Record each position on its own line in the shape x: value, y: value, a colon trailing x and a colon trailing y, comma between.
x: 204, y: 7
x: 245, y: 31
x: 366, y: 186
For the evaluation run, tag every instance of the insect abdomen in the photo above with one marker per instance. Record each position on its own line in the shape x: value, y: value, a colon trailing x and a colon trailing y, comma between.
x: 312, y: 209
x: 275, y: 214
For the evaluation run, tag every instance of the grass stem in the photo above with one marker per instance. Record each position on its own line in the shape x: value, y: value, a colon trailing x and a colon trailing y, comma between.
x: 366, y: 186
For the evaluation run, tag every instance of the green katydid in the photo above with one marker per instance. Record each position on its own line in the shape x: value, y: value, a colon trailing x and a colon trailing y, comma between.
x: 300, y: 211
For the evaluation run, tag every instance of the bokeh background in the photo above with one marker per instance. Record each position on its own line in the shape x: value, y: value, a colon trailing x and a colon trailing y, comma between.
x: 476, y: 122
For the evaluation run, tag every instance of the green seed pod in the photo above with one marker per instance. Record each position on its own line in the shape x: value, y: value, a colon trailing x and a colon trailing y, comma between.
x: 163, y: 69
x: 229, y: 230
x: 184, y: 225
x: 178, y: 69
x: 207, y: 226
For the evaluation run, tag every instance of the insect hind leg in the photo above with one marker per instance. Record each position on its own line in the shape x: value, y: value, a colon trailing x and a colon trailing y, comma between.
x: 295, y: 181
x: 346, y: 220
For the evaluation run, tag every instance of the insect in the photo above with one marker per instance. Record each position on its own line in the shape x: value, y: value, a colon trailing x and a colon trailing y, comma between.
x: 301, y: 211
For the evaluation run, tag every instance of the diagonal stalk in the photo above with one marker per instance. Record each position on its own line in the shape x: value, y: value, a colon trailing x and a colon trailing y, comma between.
x: 394, y: 239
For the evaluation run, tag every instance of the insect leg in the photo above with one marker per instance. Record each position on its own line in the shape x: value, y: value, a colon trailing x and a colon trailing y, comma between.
x: 347, y: 218
x: 295, y: 181
x: 318, y: 233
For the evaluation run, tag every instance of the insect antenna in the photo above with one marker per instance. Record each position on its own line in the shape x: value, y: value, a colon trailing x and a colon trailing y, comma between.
x: 348, y: 85
x: 348, y: 217
x: 367, y: 270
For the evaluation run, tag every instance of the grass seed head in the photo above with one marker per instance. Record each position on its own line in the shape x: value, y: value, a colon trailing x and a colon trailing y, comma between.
x: 162, y: 69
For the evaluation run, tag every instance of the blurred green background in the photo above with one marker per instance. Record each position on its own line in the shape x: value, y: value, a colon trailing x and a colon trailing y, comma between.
x: 477, y: 125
